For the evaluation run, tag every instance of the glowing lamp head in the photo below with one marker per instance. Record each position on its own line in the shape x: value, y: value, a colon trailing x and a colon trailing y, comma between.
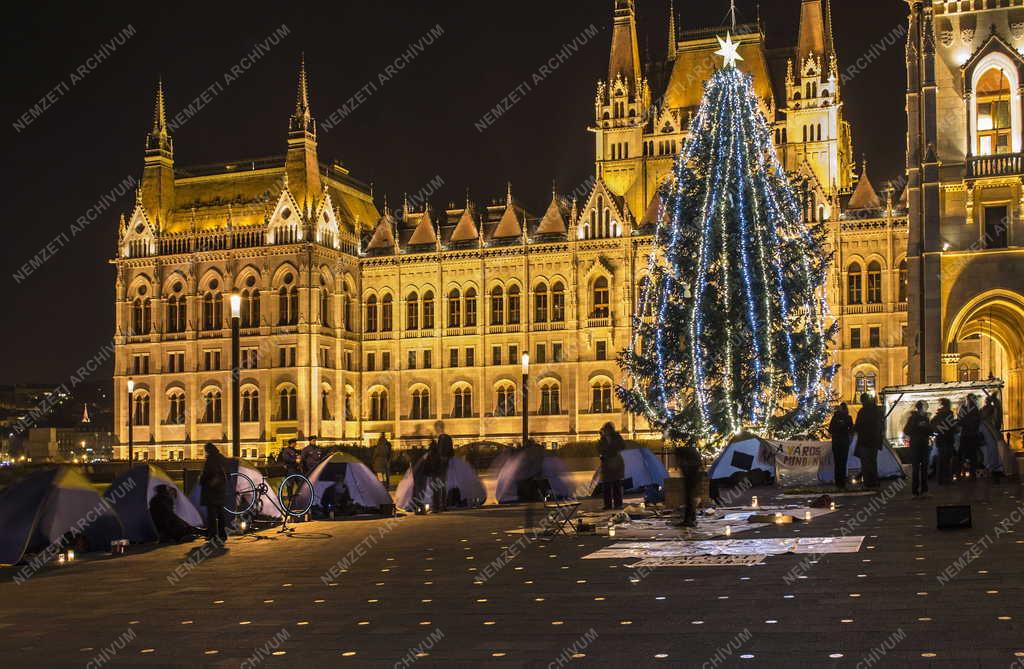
x: 236, y: 305
x: 131, y: 386
x: 526, y: 363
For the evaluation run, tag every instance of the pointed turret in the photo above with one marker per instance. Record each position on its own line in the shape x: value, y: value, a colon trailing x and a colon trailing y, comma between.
x: 384, y: 235
x: 301, y: 166
x: 466, y: 229
x: 815, y: 30
x: 424, y: 233
x: 673, y: 40
x: 157, y: 191
x: 625, y: 54
x: 553, y: 222
x: 865, y: 196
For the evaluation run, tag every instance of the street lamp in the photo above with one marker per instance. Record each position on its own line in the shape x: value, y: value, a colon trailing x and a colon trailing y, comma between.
x: 526, y: 398
x: 131, y: 421
x: 236, y: 309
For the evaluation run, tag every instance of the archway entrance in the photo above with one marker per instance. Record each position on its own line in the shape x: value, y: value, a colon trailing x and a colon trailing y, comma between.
x: 987, y: 337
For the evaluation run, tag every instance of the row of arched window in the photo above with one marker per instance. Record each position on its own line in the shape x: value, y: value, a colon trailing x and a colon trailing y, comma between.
x: 859, y: 291
x: 211, y: 406
x: 661, y: 147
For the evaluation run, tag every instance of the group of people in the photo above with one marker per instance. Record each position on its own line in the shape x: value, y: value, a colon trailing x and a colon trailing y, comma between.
x: 301, y: 462
x: 870, y: 430
x: 430, y: 475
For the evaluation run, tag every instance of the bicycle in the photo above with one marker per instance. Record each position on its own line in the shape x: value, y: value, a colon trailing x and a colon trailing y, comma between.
x: 294, y: 496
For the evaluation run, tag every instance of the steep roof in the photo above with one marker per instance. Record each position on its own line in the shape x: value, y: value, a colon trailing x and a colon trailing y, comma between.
x: 553, y: 221
x: 384, y: 235
x: 815, y: 30
x: 466, y: 229
x: 424, y: 233
x: 864, y: 196
x: 697, y: 57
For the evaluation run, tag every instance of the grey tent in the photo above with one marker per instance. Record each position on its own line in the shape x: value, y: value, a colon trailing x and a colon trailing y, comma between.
x: 460, y: 476
x: 133, y: 506
x: 43, y: 508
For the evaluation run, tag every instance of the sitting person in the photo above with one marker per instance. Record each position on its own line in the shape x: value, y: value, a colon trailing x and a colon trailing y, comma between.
x: 169, y: 526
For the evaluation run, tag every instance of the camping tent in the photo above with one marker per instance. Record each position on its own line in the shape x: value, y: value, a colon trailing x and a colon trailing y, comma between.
x: 263, y: 508
x: 889, y: 466
x: 37, y: 511
x: 524, y: 465
x: 133, y: 507
x: 362, y: 486
x: 460, y: 477
x: 643, y: 469
x: 745, y: 456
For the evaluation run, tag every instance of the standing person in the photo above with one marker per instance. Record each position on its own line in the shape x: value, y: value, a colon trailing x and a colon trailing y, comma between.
x: 870, y: 427
x: 311, y: 456
x: 944, y: 426
x: 992, y: 413
x: 214, y: 482
x: 445, y: 453
x: 690, y: 463
x: 290, y: 459
x: 613, y: 466
x: 970, y: 436
x: 841, y: 429
x: 382, y: 460
x: 919, y: 430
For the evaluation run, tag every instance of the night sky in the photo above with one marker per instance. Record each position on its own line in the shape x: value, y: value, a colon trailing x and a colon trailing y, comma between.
x: 418, y: 125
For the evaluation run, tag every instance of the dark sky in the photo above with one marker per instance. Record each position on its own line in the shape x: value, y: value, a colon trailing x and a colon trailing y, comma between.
x: 420, y: 124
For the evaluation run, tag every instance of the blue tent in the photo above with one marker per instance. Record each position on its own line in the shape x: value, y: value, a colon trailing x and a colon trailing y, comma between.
x: 342, y: 469
x: 133, y: 506
x: 531, y: 464
x: 460, y: 477
x: 45, y: 506
x: 643, y: 469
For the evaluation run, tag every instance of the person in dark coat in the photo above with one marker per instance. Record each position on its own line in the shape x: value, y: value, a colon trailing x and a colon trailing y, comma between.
x: 214, y: 482
x: 690, y: 463
x: 945, y: 426
x: 613, y: 466
x: 919, y: 430
x: 445, y: 453
x: 382, y: 459
x: 311, y: 456
x: 870, y: 428
x: 970, y: 437
x: 841, y: 429
x: 290, y: 459
x: 169, y: 526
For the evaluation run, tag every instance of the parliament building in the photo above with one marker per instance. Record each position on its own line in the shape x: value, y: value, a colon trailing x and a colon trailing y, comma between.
x: 359, y: 318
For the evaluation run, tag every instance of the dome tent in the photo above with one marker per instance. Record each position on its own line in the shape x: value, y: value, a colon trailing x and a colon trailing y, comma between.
x: 39, y: 510
x: 643, y: 469
x: 531, y: 464
x: 362, y: 486
x: 133, y: 507
x: 265, y: 509
x: 460, y: 476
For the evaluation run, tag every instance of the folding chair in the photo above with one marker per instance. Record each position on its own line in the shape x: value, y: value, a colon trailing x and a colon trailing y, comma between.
x: 560, y: 516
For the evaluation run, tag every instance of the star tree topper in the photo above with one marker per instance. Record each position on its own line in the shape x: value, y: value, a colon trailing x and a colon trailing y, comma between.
x: 729, y: 51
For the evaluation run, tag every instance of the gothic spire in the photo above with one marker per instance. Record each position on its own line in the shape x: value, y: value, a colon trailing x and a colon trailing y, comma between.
x: 673, y: 42
x: 815, y: 37
x: 159, y: 139
x: 624, y: 60
x: 302, y: 96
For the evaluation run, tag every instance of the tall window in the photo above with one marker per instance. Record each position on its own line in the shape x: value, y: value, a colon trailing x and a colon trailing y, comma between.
x: 970, y: 371
x: 386, y: 313
x: 557, y: 302
x: 471, y: 307
x: 250, y: 405
x: 325, y: 306
x: 346, y: 309
x: 379, y: 404
x: 371, y: 313
x: 506, y: 400
x: 177, y: 313
x: 550, y: 399
x: 420, y: 404
x: 462, y: 402
x: 454, y: 308
x: 428, y: 310
x: 601, y: 397
x: 412, y: 312
x: 287, y: 408
x: 540, y: 303
x: 866, y: 382
x: 213, y: 311
x: 176, y: 409
x: 211, y: 406
x: 994, y: 121
x: 250, y: 312
x: 874, y: 283
x: 142, y: 315
x: 288, y: 302
x: 140, y: 412
x: 325, y: 404
x: 497, y: 306
x: 513, y: 305
x: 854, y: 285
x: 903, y: 280
x: 601, y: 304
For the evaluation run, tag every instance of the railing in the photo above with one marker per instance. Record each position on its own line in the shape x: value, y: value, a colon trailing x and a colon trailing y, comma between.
x: 875, y: 308
x: 552, y: 325
x: 853, y: 309
x: 378, y: 336
x: 505, y: 329
x: 999, y: 165
x: 599, y: 322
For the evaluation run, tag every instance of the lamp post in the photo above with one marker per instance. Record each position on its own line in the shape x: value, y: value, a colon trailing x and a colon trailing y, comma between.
x: 236, y: 308
x: 526, y: 398
x: 131, y: 421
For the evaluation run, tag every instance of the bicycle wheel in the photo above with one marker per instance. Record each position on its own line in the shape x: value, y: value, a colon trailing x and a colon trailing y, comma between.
x: 244, y: 491
x: 295, y: 495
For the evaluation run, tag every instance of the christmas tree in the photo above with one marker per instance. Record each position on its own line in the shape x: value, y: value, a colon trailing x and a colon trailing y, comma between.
x: 731, y: 329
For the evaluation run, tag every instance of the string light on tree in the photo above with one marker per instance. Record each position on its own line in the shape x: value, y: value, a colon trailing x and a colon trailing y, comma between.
x: 731, y: 332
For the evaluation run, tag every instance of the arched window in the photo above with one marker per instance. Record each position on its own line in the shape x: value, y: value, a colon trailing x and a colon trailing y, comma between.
x: 550, y: 398
x: 249, y: 317
x: 454, y: 308
x: 557, y: 302
x: 506, y: 405
x: 854, y: 285
x: 346, y: 407
x: 601, y: 396
x: 250, y: 405
x: 805, y: 133
x: 177, y: 313
x: 213, y: 311
x: 371, y: 313
x: 211, y: 406
x: 420, y: 404
x: 969, y: 370
x: 412, y: 311
x: 601, y: 307
x: 346, y: 310
x: 140, y: 412
x: 540, y: 303
x: 903, y: 280
x: 866, y: 382
x: 379, y: 404
x: 428, y: 310
x: 325, y: 403
x: 176, y: 408
x: 288, y: 302
x: 497, y: 306
x: 645, y: 301
x: 819, y: 132
x: 874, y: 282
x: 386, y: 314
x: 513, y: 305
x: 462, y: 402
x: 287, y: 408
x: 142, y: 315
x: 325, y: 306
x: 470, y: 307
x: 994, y: 115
